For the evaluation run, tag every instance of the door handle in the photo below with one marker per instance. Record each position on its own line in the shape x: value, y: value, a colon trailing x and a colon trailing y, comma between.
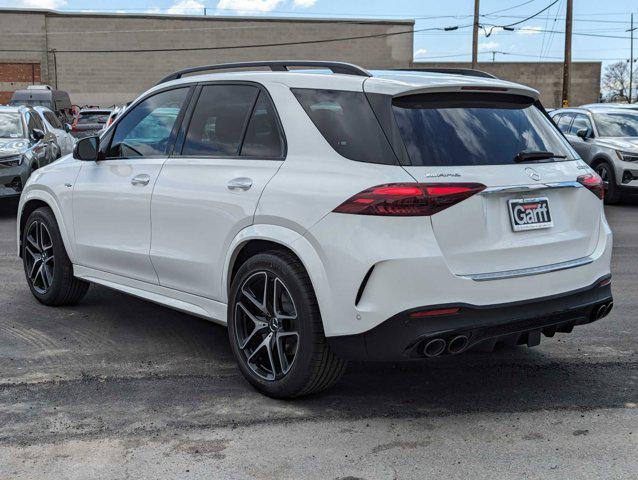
x: 240, y: 184
x: 141, y: 179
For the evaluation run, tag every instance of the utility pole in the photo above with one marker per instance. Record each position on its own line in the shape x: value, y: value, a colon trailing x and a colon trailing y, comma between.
x: 631, y: 60
x: 568, y: 53
x: 475, y: 35
x: 494, y: 52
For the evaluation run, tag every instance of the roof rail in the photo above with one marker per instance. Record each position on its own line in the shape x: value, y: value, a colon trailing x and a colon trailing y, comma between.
x: 470, y: 72
x: 275, y: 66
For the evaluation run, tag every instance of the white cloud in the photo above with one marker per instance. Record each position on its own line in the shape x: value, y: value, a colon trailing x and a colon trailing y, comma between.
x: 529, y: 30
x: 249, y: 6
x: 421, y: 52
x: 303, y: 3
x: 488, y: 45
x: 186, y: 7
x: 45, y: 4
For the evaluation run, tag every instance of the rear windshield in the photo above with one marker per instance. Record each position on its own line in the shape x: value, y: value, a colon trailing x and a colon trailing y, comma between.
x: 93, y: 117
x: 621, y: 124
x: 474, y: 129
x: 11, y: 125
x: 347, y: 122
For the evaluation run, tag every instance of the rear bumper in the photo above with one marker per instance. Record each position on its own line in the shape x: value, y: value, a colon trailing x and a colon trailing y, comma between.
x: 403, y: 337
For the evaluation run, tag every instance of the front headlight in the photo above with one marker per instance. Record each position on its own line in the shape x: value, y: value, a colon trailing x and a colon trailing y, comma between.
x: 627, y: 156
x: 12, y: 161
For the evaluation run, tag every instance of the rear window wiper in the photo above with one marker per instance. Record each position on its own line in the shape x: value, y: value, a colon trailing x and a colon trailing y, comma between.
x: 534, y: 156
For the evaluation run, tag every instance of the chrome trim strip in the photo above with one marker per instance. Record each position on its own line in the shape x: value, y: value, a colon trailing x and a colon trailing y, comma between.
x: 525, y: 272
x: 533, y: 187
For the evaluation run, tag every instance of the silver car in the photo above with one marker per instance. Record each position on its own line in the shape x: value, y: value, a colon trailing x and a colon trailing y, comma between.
x: 607, y: 139
x: 63, y: 139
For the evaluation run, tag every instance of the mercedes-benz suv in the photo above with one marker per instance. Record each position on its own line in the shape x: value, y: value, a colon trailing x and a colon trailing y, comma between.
x: 329, y: 214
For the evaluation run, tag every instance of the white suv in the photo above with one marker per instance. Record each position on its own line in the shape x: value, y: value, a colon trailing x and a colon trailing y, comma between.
x: 323, y: 217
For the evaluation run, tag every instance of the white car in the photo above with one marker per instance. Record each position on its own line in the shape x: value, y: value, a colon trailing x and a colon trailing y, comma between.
x: 63, y: 138
x: 324, y: 217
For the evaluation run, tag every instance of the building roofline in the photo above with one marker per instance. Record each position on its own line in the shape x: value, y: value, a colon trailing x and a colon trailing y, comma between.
x: 209, y: 18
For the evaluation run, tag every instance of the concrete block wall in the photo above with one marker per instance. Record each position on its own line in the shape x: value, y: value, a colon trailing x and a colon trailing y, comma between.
x: 546, y: 77
x: 106, y: 78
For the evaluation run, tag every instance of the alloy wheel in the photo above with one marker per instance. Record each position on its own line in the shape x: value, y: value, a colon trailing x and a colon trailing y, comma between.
x: 39, y: 258
x: 266, y: 325
x: 602, y: 171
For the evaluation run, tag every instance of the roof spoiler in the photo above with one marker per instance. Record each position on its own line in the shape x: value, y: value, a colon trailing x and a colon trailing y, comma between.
x: 469, y: 72
x: 275, y: 66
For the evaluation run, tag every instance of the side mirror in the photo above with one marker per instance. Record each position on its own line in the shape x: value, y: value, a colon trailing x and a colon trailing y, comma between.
x: 37, y: 135
x: 86, y: 149
x: 583, y: 133
x: 67, y: 128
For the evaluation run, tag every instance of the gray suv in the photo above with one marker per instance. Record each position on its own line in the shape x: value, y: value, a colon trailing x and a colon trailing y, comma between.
x: 607, y: 139
x: 25, y: 145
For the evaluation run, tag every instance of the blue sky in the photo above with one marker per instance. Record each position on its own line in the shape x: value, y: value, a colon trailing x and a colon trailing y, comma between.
x: 535, y: 39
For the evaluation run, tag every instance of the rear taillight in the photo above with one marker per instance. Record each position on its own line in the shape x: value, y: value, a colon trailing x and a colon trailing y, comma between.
x: 593, y: 183
x: 408, y: 199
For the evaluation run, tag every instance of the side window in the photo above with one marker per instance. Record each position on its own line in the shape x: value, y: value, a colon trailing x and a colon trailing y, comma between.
x: 580, y: 121
x: 33, y: 122
x: 53, y: 120
x: 347, y: 122
x: 564, y: 122
x: 263, y: 138
x: 147, y: 129
x: 218, y: 121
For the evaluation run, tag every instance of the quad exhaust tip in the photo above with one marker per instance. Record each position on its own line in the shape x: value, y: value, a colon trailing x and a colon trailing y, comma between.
x: 603, y: 310
x: 434, y: 347
x: 457, y: 344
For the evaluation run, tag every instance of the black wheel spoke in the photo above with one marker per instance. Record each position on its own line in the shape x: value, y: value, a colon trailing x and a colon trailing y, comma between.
x: 39, y: 258
x: 265, y: 317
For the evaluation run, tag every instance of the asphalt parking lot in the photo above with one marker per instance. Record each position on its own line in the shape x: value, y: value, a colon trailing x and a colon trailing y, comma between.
x: 121, y: 388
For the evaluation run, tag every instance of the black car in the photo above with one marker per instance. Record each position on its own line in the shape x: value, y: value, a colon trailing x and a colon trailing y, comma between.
x: 89, y: 122
x: 25, y: 146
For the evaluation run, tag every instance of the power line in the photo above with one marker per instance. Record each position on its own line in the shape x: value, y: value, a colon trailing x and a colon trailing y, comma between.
x: 235, y: 47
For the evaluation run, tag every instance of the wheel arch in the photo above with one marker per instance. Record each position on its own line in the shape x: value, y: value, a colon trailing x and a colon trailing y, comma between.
x: 260, y: 238
x: 33, y: 200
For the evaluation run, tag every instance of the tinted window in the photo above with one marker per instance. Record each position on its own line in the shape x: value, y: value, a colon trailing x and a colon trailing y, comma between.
x: 473, y: 131
x: 90, y: 118
x: 146, y: 129
x: 347, y: 122
x: 621, y: 124
x: 580, y: 121
x: 263, y: 138
x: 218, y: 121
x: 565, y: 121
x: 11, y: 125
x: 53, y: 120
x: 33, y: 121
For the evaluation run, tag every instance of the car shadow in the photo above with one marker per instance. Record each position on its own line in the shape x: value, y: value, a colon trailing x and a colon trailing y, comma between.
x: 9, y: 206
x: 138, y: 358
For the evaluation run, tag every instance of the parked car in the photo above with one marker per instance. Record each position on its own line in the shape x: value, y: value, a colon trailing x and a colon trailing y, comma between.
x: 368, y: 215
x: 63, y: 139
x: 628, y: 106
x: 116, y: 112
x: 607, y: 139
x: 25, y: 146
x: 45, y: 96
x: 89, y: 122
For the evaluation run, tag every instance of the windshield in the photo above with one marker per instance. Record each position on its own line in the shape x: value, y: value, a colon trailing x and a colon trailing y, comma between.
x: 33, y: 103
x: 474, y: 129
x: 11, y: 125
x: 617, y: 124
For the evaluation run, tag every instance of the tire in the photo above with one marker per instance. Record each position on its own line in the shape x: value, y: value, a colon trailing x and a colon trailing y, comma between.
x: 47, y: 267
x: 299, y: 363
x: 612, y: 192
